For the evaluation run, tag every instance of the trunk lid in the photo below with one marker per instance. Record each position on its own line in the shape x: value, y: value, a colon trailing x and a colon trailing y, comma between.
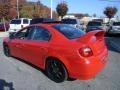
x: 95, y: 40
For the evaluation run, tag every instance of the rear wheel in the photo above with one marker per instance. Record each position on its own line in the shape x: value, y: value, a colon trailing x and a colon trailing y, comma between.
x: 6, y: 50
x: 56, y: 71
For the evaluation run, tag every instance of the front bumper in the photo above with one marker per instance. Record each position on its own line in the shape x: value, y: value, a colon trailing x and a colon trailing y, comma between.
x: 89, y: 67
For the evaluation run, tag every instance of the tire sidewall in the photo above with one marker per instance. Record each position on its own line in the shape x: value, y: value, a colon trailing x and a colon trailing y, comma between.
x: 50, y: 75
x: 6, y: 50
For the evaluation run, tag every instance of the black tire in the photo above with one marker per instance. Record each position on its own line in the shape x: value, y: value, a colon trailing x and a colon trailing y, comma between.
x: 6, y: 50
x: 56, y: 71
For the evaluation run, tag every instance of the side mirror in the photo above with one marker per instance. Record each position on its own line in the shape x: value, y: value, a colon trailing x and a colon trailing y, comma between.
x: 12, y: 36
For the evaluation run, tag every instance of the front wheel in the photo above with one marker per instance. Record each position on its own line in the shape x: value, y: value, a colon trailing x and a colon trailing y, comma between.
x: 6, y: 50
x: 56, y: 71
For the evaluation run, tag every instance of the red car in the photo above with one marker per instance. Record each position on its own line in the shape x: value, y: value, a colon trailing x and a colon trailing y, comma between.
x: 61, y: 50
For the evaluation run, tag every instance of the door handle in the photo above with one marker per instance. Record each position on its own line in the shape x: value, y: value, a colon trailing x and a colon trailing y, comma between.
x: 44, y: 49
x: 23, y: 45
x: 19, y: 45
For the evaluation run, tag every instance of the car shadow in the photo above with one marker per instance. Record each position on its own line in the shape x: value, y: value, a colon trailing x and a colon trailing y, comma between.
x: 32, y: 65
x: 5, y: 85
x: 39, y: 69
x: 111, y: 46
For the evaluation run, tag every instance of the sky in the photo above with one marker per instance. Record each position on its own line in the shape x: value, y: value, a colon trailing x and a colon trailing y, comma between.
x: 84, y: 6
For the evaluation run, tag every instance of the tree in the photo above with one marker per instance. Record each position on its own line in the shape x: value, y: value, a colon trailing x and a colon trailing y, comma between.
x: 21, y: 3
x: 62, y: 9
x: 4, y: 8
x: 110, y: 12
x: 8, y: 9
x: 12, y: 14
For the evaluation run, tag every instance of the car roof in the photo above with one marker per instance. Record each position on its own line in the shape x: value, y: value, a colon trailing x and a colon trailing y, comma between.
x: 94, y: 21
x: 20, y: 18
x: 44, y: 24
x: 117, y: 22
x: 48, y: 23
x: 41, y: 20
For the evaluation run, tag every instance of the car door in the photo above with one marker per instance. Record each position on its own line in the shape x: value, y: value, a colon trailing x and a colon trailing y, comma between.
x: 17, y: 44
x: 35, y: 48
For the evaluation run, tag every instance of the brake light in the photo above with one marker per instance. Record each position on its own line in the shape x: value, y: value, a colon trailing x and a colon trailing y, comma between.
x: 86, y: 52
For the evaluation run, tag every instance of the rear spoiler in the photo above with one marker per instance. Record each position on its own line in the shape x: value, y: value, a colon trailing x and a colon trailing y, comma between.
x: 53, y: 22
x: 99, y: 34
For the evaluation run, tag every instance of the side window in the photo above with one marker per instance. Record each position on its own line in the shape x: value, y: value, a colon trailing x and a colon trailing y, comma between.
x: 25, y: 21
x: 41, y: 33
x: 24, y: 34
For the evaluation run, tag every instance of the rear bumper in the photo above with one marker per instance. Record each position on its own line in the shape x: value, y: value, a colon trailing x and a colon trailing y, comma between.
x: 89, y: 67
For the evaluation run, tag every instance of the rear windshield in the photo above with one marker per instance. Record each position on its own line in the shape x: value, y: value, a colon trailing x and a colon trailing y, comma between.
x: 15, y: 22
x: 69, y: 31
x: 116, y: 23
x: 69, y: 21
x: 94, y: 24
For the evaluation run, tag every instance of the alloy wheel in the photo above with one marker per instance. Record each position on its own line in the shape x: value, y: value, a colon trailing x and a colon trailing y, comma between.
x: 56, y: 70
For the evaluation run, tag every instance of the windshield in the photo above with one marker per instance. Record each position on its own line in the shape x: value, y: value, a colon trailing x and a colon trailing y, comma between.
x: 69, y: 31
x: 116, y: 23
x: 69, y: 21
x: 15, y: 22
x: 94, y: 24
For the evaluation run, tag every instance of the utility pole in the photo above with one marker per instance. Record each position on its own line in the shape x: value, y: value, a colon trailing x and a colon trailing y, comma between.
x: 18, y: 15
x: 4, y: 24
x: 51, y: 10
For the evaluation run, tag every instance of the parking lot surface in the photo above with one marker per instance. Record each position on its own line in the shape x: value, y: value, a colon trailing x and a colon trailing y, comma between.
x: 17, y: 75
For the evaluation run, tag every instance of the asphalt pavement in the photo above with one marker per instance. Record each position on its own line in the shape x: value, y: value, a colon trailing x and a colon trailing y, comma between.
x: 17, y: 75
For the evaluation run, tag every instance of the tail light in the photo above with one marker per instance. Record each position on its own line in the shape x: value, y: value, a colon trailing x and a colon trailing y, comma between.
x: 86, y: 52
x: 21, y: 26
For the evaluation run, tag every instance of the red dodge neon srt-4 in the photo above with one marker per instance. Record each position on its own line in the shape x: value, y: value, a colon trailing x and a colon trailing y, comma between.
x: 61, y: 50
